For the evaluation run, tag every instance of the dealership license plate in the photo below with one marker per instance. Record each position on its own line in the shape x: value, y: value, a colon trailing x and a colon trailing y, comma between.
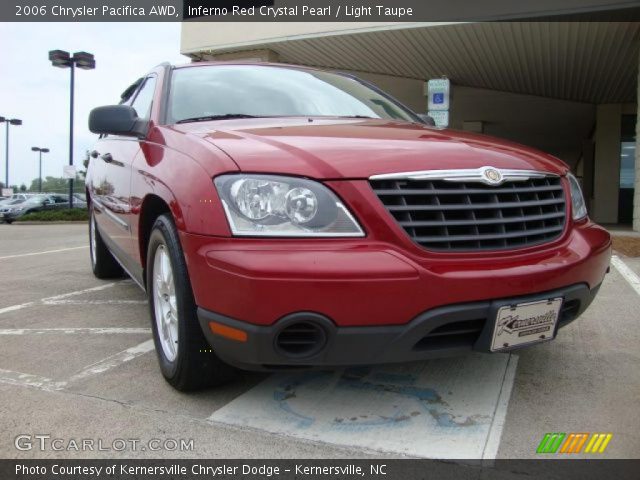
x: 525, y: 323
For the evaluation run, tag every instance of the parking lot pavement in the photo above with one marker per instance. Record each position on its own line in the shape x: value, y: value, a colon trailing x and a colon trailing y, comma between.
x: 77, y: 363
x: 632, y: 262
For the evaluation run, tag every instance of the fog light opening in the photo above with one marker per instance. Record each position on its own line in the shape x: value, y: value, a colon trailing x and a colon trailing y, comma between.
x: 300, y: 339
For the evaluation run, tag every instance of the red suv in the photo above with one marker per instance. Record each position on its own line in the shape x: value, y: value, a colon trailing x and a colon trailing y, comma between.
x: 287, y: 217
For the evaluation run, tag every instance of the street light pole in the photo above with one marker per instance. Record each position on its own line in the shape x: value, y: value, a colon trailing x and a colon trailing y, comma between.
x: 85, y: 61
x: 71, y: 95
x: 6, y: 157
x: 8, y: 121
x: 40, y: 151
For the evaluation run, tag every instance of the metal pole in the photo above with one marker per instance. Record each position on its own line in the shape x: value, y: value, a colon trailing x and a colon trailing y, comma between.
x: 6, y: 158
x: 71, y: 133
x: 40, y: 174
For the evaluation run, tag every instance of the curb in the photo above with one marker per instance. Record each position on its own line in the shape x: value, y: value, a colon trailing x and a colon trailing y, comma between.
x: 57, y: 222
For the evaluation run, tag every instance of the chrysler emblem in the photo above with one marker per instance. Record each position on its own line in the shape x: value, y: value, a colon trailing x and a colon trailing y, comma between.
x: 491, y: 175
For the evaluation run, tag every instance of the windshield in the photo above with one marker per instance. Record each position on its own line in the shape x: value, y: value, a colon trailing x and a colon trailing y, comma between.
x: 266, y: 91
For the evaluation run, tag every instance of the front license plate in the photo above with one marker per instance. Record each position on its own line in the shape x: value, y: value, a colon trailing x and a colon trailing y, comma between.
x: 525, y: 323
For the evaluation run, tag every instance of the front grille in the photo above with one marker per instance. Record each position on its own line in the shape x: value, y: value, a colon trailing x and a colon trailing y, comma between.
x: 467, y: 216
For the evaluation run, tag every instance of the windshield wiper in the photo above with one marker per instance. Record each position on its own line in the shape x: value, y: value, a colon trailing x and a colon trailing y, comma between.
x: 206, y: 118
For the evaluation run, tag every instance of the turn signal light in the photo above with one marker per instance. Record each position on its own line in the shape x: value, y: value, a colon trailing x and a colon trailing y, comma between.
x: 228, y: 332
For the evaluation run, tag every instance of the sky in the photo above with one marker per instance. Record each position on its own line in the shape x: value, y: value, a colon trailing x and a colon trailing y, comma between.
x: 38, y: 93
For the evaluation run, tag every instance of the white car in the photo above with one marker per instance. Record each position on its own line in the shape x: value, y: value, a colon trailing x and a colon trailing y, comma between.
x: 15, y: 198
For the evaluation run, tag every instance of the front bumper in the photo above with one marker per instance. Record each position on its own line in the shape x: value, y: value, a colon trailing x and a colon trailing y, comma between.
x: 439, y: 332
x: 376, y: 302
x: 370, y: 282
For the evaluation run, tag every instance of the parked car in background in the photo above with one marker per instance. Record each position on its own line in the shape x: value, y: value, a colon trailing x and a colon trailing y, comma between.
x: 15, y: 198
x: 79, y: 200
x: 10, y: 201
x: 36, y: 203
x: 285, y: 217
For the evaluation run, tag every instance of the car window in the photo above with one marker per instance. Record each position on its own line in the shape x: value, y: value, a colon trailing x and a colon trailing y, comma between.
x: 267, y: 91
x: 128, y: 94
x: 144, y: 99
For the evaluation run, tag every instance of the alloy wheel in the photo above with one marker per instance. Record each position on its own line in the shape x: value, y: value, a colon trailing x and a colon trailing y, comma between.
x: 164, y: 300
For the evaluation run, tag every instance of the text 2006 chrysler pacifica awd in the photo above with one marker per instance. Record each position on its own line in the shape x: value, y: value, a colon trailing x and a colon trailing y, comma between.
x: 286, y: 217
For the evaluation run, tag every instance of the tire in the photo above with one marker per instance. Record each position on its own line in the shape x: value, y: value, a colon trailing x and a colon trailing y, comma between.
x: 102, y: 262
x: 185, y: 357
x: 8, y: 222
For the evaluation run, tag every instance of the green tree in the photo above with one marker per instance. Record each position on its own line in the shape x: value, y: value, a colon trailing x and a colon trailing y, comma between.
x: 85, y: 163
x: 57, y: 185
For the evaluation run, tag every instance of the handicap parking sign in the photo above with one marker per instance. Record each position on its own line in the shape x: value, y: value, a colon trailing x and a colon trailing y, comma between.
x: 438, y: 90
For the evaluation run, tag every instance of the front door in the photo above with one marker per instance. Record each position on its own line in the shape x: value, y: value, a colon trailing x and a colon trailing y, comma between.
x: 113, y: 158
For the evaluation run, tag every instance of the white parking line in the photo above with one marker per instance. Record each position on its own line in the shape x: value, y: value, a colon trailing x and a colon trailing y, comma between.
x: 87, y: 290
x: 113, y: 361
x: 27, y: 380
x: 500, y: 415
x: 74, y: 331
x: 94, y: 302
x: 20, y: 255
x: 628, y: 274
x: 13, y: 308
x: 43, y: 383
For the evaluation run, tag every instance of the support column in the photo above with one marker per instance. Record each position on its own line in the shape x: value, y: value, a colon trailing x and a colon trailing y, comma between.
x: 636, y: 195
x: 607, y: 164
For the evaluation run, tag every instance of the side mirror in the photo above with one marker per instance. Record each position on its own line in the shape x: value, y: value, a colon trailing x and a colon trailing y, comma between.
x: 117, y: 120
x: 426, y: 119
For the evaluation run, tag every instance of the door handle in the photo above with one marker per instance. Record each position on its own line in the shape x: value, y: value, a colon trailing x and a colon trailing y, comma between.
x: 107, y: 157
x: 94, y: 154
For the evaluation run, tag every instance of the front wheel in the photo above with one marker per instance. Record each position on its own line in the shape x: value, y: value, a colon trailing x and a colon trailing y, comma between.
x: 185, y: 357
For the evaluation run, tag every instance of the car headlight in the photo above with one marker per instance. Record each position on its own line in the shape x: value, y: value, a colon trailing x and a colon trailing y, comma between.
x: 270, y: 205
x: 578, y: 205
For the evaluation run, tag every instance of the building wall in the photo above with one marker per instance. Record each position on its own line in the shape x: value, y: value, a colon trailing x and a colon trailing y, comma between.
x: 203, y: 36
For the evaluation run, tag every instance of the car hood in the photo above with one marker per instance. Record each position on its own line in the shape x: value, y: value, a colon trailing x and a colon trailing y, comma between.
x: 334, y: 148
